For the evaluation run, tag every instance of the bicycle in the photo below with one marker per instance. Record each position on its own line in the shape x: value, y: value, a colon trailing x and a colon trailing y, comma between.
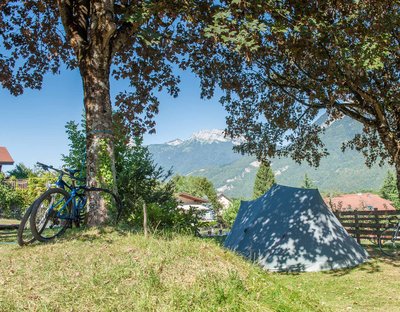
x: 58, y: 209
x: 389, y: 240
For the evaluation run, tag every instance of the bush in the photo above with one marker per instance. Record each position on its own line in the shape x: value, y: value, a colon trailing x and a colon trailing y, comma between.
x: 229, y: 215
x: 11, y: 200
x: 141, y: 181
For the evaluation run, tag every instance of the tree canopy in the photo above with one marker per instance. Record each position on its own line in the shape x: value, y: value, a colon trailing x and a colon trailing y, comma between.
x: 147, y: 41
x: 141, y: 42
x: 333, y: 57
x: 21, y: 172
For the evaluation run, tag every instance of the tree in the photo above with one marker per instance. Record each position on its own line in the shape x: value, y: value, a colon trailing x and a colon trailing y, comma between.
x: 389, y: 189
x: 145, y: 194
x: 265, y: 178
x: 138, y: 41
x: 307, y: 183
x: 21, y: 172
x: 335, y: 57
x: 76, y: 158
x: 230, y: 213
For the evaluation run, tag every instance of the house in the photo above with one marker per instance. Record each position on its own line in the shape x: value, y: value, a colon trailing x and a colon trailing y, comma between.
x: 224, y: 200
x: 188, y: 201
x: 5, y: 157
x: 360, y: 201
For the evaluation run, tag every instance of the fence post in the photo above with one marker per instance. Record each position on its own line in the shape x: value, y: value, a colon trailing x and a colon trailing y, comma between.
x: 357, y: 227
x: 377, y: 224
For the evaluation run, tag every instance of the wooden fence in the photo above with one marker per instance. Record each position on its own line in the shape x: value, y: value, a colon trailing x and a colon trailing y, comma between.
x: 18, y: 184
x: 367, y: 224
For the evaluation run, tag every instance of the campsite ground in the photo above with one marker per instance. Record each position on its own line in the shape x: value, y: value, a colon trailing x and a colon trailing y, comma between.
x: 97, y: 270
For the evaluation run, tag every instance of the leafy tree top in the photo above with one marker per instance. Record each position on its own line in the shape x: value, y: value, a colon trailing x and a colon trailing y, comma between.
x: 307, y: 183
x: 143, y: 42
x: 338, y: 57
x: 21, y: 172
x: 265, y: 178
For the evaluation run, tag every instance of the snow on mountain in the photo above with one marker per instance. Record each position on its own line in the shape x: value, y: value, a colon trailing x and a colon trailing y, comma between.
x: 255, y: 164
x: 209, y: 136
x: 281, y: 170
x: 174, y: 142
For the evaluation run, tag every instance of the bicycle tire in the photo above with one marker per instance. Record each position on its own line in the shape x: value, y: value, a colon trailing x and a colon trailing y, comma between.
x: 51, y: 226
x: 80, y: 219
x: 24, y: 235
x: 389, y: 245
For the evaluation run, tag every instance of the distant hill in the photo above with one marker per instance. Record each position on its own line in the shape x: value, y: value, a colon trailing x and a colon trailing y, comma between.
x: 208, y: 153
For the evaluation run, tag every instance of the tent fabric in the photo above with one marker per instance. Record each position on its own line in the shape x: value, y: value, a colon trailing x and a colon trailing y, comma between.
x: 292, y: 229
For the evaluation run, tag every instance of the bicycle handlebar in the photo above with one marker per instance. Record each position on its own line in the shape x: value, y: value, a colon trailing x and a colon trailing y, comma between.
x: 47, y: 167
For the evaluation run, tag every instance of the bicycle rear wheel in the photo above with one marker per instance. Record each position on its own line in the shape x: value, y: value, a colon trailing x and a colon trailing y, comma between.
x: 50, y: 214
x: 25, y: 236
x: 389, y: 242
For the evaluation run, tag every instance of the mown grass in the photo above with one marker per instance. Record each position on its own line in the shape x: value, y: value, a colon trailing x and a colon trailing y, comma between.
x: 9, y: 221
x: 108, y: 270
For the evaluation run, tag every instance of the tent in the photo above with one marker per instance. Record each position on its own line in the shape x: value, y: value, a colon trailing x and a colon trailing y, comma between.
x: 292, y: 229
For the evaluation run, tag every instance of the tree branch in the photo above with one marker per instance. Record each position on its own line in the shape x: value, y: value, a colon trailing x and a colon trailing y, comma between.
x: 73, y: 31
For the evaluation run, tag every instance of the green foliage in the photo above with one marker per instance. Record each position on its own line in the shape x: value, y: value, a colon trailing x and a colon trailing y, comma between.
x: 37, y: 185
x: 105, y: 175
x: 11, y: 200
x: 198, y: 186
x: 76, y: 157
x: 14, y: 201
x: 389, y: 189
x: 265, y: 178
x: 21, y: 172
x: 230, y: 213
x: 307, y: 183
x: 139, y: 179
x: 302, y: 60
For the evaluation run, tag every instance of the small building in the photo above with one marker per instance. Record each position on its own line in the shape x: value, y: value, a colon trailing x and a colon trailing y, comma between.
x: 360, y: 202
x: 202, y: 205
x: 5, y: 157
x: 224, y: 200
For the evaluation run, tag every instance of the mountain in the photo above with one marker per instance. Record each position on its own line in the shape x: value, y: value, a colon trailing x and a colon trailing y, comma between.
x: 208, y: 153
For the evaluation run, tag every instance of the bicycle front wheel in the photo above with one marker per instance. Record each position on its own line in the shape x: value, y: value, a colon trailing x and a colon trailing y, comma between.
x: 50, y: 215
x: 389, y: 242
x: 25, y: 235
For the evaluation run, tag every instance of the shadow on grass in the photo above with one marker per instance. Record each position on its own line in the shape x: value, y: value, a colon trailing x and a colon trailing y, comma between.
x: 374, y: 265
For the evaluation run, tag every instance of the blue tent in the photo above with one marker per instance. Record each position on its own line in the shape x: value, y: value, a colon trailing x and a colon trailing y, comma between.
x: 292, y: 229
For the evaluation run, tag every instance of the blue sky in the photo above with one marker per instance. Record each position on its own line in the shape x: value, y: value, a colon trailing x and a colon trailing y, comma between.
x: 32, y: 125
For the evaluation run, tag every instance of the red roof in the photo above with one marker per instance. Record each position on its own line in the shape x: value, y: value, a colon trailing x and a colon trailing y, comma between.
x: 360, y: 201
x: 5, y: 157
x: 186, y: 198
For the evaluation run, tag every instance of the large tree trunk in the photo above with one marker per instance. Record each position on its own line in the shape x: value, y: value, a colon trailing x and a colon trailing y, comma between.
x: 100, y: 161
x: 89, y: 26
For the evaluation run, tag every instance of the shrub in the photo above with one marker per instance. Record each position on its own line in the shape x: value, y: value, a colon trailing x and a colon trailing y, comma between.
x: 11, y: 200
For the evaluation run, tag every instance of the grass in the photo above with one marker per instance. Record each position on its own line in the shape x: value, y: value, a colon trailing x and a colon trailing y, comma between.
x: 108, y: 270
x: 9, y: 221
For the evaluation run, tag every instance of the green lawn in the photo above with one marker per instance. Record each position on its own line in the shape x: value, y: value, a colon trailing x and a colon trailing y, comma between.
x: 106, y: 270
x: 9, y: 221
